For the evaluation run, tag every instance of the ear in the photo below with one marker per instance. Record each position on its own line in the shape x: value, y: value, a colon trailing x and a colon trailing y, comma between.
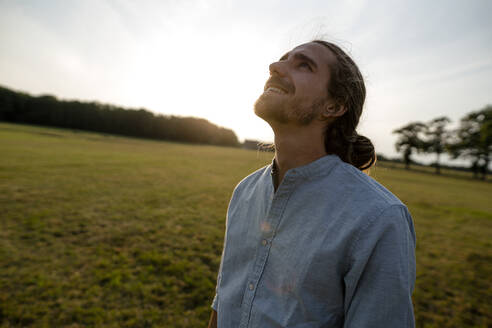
x: 333, y: 110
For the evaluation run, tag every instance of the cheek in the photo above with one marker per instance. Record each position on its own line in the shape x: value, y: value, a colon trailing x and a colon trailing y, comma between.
x: 310, y: 95
x: 309, y: 89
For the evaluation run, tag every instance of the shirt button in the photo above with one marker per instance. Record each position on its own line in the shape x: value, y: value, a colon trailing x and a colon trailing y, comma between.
x: 264, y: 242
x: 251, y: 286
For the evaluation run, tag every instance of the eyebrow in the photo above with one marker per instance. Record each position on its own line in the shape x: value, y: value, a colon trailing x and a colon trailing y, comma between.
x: 300, y: 56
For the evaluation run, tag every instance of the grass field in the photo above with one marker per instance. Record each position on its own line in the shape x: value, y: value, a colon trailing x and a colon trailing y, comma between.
x: 109, y: 231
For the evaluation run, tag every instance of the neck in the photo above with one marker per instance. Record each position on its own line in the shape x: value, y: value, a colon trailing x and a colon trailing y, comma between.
x: 297, y: 146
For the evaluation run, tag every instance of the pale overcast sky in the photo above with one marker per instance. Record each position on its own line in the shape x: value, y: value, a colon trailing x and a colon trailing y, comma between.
x: 421, y: 59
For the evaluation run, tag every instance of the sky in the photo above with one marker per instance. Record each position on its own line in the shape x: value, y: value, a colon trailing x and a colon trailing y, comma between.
x: 209, y: 58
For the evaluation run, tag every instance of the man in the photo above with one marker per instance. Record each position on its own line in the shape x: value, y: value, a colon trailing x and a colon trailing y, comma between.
x: 312, y: 241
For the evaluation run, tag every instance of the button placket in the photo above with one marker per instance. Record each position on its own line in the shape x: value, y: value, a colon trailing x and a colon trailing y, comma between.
x: 278, y: 202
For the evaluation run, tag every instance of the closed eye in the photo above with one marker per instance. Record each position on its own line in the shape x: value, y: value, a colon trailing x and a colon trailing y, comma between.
x: 305, y: 64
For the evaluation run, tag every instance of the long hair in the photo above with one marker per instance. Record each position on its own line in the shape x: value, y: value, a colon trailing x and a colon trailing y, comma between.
x: 346, y: 88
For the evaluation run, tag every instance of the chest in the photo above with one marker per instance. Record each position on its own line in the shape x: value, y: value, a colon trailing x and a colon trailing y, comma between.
x: 291, y: 243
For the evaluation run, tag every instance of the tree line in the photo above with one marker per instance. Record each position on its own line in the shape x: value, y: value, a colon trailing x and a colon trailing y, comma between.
x: 18, y: 107
x: 471, y: 140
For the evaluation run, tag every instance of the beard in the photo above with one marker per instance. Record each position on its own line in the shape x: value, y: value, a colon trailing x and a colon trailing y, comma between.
x: 283, y: 110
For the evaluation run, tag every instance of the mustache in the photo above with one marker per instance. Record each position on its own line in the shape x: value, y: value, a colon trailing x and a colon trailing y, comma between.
x: 277, y: 81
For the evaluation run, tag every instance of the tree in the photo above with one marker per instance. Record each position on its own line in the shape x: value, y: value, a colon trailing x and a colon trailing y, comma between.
x: 473, y: 139
x: 409, y: 140
x: 436, y: 138
x: 106, y: 118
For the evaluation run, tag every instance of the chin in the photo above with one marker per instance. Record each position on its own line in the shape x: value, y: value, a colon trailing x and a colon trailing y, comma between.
x: 270, y: 113
x: 263, y: 110
x: 259, y: 107
x: 269, y: 109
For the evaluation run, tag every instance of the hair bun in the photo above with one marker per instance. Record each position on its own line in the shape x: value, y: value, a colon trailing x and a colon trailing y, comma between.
x: 363, y: 155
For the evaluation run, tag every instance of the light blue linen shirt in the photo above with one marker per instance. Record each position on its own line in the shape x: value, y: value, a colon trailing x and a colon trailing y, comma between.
x: 330, y: 248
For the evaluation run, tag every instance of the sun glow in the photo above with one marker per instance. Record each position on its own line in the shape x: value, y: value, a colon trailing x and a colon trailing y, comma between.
x: 210, y: 58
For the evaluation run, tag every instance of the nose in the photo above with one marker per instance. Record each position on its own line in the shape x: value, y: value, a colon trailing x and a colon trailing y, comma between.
x: 276, y: 68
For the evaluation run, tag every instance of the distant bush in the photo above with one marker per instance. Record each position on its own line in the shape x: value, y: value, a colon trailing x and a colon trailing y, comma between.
x: 93, y: 116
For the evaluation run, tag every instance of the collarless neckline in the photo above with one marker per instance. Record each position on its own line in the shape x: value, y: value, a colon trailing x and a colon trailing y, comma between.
x: 316, y: 168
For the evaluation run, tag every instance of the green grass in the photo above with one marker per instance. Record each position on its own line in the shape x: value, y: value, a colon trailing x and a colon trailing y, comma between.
x: 109, y: 231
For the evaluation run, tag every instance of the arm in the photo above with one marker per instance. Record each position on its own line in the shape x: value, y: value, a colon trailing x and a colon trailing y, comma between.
x: 213, y: 320
x: 381, y: 277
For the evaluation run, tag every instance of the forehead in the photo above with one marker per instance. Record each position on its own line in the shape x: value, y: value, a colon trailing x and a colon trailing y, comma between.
x: 317, y: 52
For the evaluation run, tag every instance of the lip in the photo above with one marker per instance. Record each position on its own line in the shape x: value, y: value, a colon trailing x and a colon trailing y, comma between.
x: 275, y: 90
x: 276, y: 86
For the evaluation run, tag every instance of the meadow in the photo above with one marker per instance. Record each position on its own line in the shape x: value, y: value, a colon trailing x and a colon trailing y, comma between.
x: 107, y: 231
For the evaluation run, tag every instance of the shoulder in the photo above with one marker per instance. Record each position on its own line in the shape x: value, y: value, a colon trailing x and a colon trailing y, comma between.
x: 249, y: 192
x: 378, y: 208
x: 363, y: 187
x: 386, y: 217
x: 253, y: 179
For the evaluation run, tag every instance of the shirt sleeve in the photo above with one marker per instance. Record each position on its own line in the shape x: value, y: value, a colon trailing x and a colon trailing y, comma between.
x: 215, y: 302
x: 381, y: 275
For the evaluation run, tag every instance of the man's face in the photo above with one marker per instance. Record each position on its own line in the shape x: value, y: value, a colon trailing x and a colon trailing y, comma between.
x: 297, y: 90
